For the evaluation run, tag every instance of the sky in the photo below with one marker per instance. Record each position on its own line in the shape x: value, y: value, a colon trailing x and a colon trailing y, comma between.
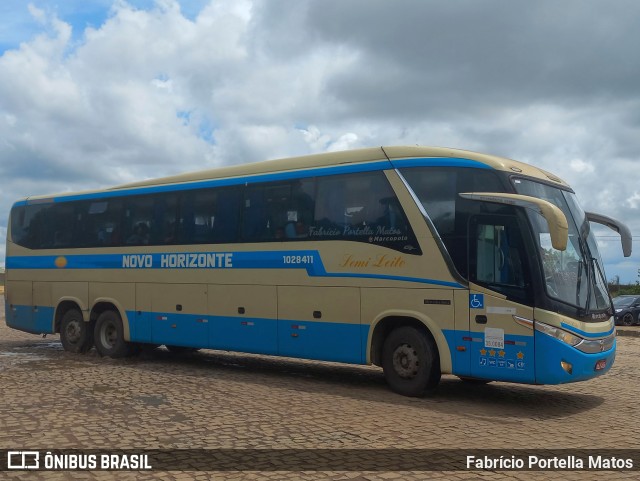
x: 95, y: 93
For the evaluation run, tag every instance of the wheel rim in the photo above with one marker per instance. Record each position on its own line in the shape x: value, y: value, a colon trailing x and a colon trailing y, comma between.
x: 627, y: 320
x: 406, y: 361
x: 73, y: 331
x: 109, y: 335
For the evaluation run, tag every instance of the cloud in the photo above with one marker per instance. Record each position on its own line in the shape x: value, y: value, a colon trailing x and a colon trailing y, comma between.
x: 118, y: 91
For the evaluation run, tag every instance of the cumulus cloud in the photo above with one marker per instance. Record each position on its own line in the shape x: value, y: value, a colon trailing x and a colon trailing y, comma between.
x: 142, y: 89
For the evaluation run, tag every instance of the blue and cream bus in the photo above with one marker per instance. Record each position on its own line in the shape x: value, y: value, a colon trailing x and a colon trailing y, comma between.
x: 425, y: 261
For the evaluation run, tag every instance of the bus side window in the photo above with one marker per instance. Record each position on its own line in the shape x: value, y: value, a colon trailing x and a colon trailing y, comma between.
x: 25, y: 222
x: 362, y: 208
x: 227, y: 215
x: 496, y: 255
x: 293, y: 210
x: 138, y: 215
x: 40, y: 229
x: 164, y: 224
x: 278, y: 211
x: 256, y: 224
x: 330, y: 207
x: 99, y: 223
x: 63, y: 215
x: 277, y: 198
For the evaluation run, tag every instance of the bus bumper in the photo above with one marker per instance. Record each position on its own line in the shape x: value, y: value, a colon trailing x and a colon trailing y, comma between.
x: 557, y: 362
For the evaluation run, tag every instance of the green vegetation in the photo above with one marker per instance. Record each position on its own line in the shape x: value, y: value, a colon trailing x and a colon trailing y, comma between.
x: 617, y: 289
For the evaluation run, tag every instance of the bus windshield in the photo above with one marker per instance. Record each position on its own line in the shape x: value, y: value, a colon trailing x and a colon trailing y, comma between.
x: 574, y: 276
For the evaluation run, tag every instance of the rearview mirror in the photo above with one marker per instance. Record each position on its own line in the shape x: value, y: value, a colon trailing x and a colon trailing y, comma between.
x: 616, y: 225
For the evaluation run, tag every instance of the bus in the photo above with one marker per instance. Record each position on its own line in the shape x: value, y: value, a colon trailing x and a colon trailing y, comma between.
x: 424, y: 261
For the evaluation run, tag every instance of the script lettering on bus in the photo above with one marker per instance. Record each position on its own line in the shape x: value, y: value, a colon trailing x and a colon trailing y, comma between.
x: 381, y: 261
x: 178, y: 261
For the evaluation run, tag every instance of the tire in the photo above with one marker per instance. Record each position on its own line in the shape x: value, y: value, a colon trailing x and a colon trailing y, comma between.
x: 410, y: 362
x: 109, y: 336
x: 76, y: 335
x: 627, y: 319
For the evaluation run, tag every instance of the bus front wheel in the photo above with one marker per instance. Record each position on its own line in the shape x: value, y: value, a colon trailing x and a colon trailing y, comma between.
x: 109, y: 336
x: 410, y: 362
x: 75, y: 334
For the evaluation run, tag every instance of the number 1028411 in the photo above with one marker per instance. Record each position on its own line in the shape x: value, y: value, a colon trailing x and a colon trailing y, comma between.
x: 297, y: 259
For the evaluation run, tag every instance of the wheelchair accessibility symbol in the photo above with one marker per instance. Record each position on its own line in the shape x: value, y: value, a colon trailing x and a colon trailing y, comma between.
x: 476, y: 301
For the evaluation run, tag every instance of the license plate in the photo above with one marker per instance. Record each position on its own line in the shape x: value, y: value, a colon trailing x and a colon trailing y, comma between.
x: 601, y: 364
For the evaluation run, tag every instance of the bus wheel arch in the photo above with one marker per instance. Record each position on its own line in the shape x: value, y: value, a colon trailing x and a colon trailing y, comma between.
x: 109, y: 334
x: 64, y: 305
x: 107, y: 304
x: 383, y: 327
x: 408, y: 353
x: 76, y: 334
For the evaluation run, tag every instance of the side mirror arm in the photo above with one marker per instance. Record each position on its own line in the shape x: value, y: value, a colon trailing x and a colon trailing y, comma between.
x: 616, y: 225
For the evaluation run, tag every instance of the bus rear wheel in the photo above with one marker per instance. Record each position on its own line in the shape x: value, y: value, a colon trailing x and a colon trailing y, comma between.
x: 109, y: 336
x: 76, y: 335
x: 410, y: 362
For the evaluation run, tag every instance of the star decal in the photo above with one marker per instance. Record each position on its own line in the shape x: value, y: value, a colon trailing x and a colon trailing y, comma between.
x: 520, y: 355
x: 492, y: 352
x: 483, y: 352
x: 501, y: 353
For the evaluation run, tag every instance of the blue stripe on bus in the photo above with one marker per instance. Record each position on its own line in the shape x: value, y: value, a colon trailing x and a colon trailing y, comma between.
x: 309, y: 260
x: 325, y: 341
x: 271, y: 177
x: 587, y: 334
x: 439, y: 162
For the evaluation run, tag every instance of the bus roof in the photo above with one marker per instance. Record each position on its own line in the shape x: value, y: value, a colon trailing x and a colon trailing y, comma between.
x: 331, y: 159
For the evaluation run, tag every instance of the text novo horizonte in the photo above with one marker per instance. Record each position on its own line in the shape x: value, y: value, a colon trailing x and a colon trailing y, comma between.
x: 181, y: 261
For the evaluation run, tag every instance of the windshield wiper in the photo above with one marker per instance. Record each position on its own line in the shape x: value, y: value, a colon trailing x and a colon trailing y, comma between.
x: 579, y: 283
x: 603, y: 280
x: 583, y: 311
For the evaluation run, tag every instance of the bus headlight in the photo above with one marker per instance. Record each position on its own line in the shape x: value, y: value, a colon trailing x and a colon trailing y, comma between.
x: 561, y: 334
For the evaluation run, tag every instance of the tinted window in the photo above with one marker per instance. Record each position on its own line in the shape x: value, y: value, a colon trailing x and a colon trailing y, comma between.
x: 138, y: 220
x: 164, y: 223
x: 437, y: 188
x: 497, y: 255
x: 355, y: 207
x: 99, y: 223
x: 209, y: 216
x: 363, y: 208
x: 278, y: 211
x: 47, y: 226
x: 26, y: 225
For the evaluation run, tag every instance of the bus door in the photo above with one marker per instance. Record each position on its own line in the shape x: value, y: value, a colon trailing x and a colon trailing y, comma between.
x: 500, y: 300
